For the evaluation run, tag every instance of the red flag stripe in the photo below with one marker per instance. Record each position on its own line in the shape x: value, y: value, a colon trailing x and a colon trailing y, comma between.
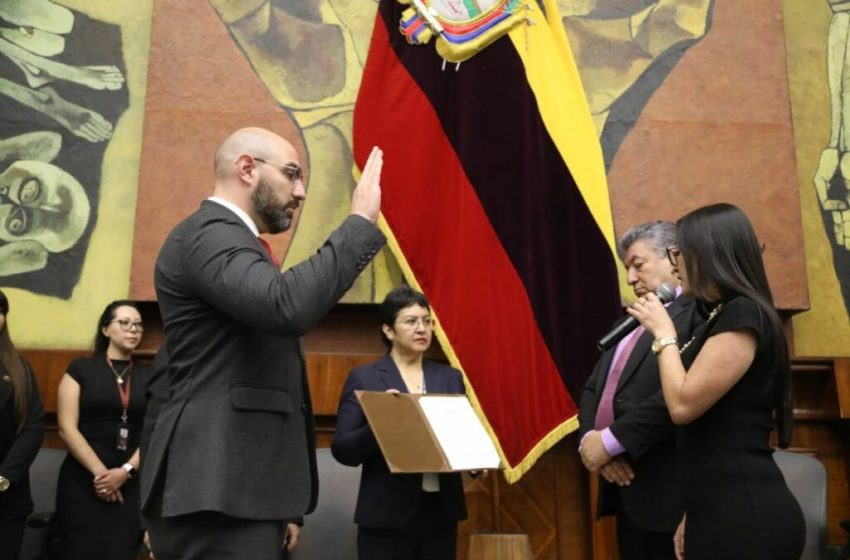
x: 457, y: 258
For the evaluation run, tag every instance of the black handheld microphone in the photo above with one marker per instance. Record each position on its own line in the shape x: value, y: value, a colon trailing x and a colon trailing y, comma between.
x: 666, y: 292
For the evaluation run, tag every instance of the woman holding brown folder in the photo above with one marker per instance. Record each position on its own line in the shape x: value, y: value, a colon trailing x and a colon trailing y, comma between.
x: 400, y: 516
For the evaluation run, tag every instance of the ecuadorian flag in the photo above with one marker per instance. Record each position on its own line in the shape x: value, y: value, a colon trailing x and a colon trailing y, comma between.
x: 496, y: 205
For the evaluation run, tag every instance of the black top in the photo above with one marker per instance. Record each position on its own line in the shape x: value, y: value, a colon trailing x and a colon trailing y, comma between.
x: 18, y: 448
x: 736, y: 499
x: 101, y: 410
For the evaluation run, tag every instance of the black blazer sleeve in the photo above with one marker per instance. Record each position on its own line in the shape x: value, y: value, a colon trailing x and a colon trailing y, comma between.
x: 648, y: 424
x: 645, y: 426
x: 353, y: 443
x: 590, y: 395
x: 16, y: 464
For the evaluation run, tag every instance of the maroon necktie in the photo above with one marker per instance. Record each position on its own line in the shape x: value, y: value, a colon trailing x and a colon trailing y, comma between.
x: 268, y: 249
x: 605, y: 411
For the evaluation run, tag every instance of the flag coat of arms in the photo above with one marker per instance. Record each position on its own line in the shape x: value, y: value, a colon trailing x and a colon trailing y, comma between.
x: 496, y: 206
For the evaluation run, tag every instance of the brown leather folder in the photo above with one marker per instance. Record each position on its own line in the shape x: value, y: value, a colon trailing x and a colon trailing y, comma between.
x: 404, y: 435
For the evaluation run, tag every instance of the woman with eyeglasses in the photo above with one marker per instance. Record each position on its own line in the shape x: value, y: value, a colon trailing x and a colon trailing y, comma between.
x: 399, y: 516
x: 727, y: 387
x: 21, y: 433
x: 100, y: 410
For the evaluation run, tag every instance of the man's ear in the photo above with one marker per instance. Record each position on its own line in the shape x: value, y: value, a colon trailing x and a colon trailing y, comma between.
x: 245, y: 166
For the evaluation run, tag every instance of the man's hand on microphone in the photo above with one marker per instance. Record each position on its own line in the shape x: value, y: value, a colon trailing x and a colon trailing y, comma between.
x: 653, y: 316
x: 593, y: 452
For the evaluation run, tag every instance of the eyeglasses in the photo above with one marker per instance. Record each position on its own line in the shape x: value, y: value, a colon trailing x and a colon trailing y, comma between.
x: 673, y: 253
x: 291, y: 171
x: 412, y: 322
x: 127, y: 325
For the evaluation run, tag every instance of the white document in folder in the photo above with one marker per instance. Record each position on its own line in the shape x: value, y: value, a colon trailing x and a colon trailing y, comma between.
x: 462, y: 437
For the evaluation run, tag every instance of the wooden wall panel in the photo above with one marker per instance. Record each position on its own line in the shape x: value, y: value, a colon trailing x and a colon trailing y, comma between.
x: 49, y: 367
x: 326, y: 374
x: 553, y: 502
x: 842, y: 386
x: 573, y: 501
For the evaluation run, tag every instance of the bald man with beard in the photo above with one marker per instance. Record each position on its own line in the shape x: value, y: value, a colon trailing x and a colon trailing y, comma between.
x: 232, y: 454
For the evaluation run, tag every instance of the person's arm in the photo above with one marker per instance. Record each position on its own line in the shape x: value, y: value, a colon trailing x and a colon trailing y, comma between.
x: 353, y: 442
x: 68, y: 417
x: 595, y: 456
x: 644, y: 426
x: 15, y: 466
x: 720, y: 364
x: 236, y: 277
x: 647, y: 423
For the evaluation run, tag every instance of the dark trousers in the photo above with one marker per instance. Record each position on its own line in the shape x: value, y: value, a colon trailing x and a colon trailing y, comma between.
x: 429, y: 536
x: 11, y: 534
x: 210, y: 535
x: 638, y: 544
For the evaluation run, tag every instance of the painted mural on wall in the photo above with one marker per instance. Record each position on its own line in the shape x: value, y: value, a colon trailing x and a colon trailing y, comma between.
x: 62, y: 84
x: 832, y: 176
x: 624, y: 49
x: 817, y: 38
x: 310, y: 55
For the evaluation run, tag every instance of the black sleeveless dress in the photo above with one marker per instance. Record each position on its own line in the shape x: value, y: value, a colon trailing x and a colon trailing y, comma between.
x: 736, y: 500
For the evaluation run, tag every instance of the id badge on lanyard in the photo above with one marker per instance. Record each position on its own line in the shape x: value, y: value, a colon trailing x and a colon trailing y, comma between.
x: 123, y: 437
x: 123, y: 428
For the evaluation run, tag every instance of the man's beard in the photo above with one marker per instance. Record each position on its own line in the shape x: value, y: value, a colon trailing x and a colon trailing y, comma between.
x: 277, y: 216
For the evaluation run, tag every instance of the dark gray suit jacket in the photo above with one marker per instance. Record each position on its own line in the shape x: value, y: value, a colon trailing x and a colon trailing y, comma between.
x: 236, y: 434
x: 643, y: 427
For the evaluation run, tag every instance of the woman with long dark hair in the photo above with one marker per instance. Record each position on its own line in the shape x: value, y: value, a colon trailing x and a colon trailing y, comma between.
x: 727, y: 387
x: 400, y: 516
x: 100, y: 411
x: 21, y: 433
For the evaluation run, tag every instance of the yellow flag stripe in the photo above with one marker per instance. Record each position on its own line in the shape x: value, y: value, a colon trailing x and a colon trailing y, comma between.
x: 553, y: 77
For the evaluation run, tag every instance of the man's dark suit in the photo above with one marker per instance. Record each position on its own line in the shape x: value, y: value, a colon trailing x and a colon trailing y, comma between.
x: 236, y: 435
x: 643, y: 427
x: 390, y: 500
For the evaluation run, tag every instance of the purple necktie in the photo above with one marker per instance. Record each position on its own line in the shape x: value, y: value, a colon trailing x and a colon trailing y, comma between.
x: 605, y: 411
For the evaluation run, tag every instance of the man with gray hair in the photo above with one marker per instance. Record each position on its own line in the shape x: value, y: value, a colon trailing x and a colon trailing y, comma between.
x: 627, y: 436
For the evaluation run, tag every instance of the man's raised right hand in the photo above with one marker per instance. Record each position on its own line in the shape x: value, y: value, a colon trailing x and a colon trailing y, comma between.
x: 366, y: 198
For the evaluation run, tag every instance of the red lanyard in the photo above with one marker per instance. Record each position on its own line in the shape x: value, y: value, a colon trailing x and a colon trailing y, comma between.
x: 123, y: 388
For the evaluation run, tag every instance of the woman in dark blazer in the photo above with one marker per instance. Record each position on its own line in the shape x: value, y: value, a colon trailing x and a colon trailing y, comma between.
x: 21, y: 433
x: 400, y: 516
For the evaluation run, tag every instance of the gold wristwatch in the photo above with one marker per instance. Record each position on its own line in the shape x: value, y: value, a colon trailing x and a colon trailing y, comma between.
x: 660, y: 343
x: 4, y: 483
